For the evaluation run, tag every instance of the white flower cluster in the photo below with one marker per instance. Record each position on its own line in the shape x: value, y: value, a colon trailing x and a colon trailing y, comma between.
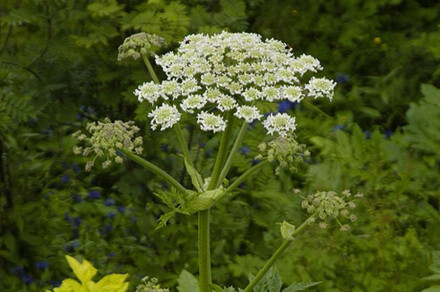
x: 141, y: 43
x: 211, y: 75
x: 106, y: 138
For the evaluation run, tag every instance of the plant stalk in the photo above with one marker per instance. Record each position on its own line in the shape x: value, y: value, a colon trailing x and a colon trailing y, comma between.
x: 150, y: 69
x: 230, y: 159
x: 160, y: 172
x: 275, y: 256
x: 205, y: 280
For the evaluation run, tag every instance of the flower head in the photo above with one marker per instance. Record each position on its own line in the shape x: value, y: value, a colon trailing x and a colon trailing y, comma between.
x: 327, y: 205
x: 105, y: 140
x: 165, y: 116
x: 232, y: 72
x: 140, y: 43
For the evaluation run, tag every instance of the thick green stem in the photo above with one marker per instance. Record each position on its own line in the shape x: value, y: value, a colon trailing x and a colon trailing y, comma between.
x: 204, y: 252
x: 160, y: 172
x: 150, y: 69
x: 230, y: 159
x: 275, y: 256
x: 315, y: 108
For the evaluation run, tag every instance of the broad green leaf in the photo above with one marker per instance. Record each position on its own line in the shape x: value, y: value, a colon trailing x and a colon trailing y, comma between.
x: 432, y: 277
x: 111, y: 283
x: 70, y: 285
x: 187, y: 282
x: 84, y: 271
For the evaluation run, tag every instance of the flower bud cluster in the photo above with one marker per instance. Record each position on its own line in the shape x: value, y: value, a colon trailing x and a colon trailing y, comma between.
x: 232, y: 72
x: 140, y: 44
x: 106, y: 138
x: 150, y: 286
x: 326, y: 205
x: 285, y: 150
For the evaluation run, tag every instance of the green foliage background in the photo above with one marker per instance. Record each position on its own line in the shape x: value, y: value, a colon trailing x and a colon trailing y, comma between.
x: 380, y: 136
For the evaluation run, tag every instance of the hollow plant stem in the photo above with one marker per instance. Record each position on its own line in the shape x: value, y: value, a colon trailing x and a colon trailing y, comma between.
x: 205, y: 280
x: 275, y: 256
x: 160, y: 172
x: 150, y: 69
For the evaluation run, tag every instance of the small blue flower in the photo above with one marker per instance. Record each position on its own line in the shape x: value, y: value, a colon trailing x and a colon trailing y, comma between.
x: 94, y: 194
x: 42, y: 265
x: 255, y: 161
x: 121, y: 209
x: 285, y: 105
x: 67, y: 217
x: 64, y: 178
x: 27, y: 279
x: 76, y: 168
x: 111, y: 254
x: 111, y: 214
x: 338, y: 128
x: 388, y: 134
x: 367, y: 134
x: 341, y: 78
x: 76, y: 221
x: 164, y: 147
x: 109, y: 202
x: 244, y: 150
x: 55, y: 283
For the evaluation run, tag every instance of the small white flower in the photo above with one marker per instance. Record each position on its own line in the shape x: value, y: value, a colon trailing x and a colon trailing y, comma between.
x: 207, y: 79
x: 248, y: 113
x: 292, y: 93
x: 170, y: 88
x: 281, y: 123
x: 210, y: 122
x: 223, y: 80
x: 234, y: 88
x: 245, y: 78
x: 192, y: 102
x: 149, y: 91
x: 310, y: 63
x: 189, y: 86
x: 271, y: 93
x: 320, y: 87
x: 212, y: 94
x: 226, y: 103
x: 251, y: 94
x: 165, y: 116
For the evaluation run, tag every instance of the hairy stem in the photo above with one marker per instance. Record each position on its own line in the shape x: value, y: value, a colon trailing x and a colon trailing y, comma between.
x: 275, y: 256
x: 160, y: 172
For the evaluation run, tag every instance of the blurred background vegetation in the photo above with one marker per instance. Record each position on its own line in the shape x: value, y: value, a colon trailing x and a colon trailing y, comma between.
x: 380, y: 136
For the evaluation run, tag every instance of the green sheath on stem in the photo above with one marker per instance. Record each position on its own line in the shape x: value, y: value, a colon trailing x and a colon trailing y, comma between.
x: 275, y: 256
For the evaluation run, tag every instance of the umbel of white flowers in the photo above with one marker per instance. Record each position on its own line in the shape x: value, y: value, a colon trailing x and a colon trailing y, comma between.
x: 209, y: 76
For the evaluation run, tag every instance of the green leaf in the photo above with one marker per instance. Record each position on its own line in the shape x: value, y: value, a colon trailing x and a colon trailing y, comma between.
x: 300, y: 286
x: 70, y: 285
x: 435, y: 288
x: 287, y: 230
x: 432, y: 277
x: 110, y: 283
x: 84, y: 271
x: 187, y: 282
x: 163, y: 220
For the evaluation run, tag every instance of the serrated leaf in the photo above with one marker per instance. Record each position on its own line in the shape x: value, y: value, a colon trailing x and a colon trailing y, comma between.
x: 187, y: 282
x: 84, y: 271
x: 163, y: 220
x: 300, y: 286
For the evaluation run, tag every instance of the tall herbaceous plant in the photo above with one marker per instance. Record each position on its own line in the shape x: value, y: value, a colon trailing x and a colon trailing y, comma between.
x: 220, y: 82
